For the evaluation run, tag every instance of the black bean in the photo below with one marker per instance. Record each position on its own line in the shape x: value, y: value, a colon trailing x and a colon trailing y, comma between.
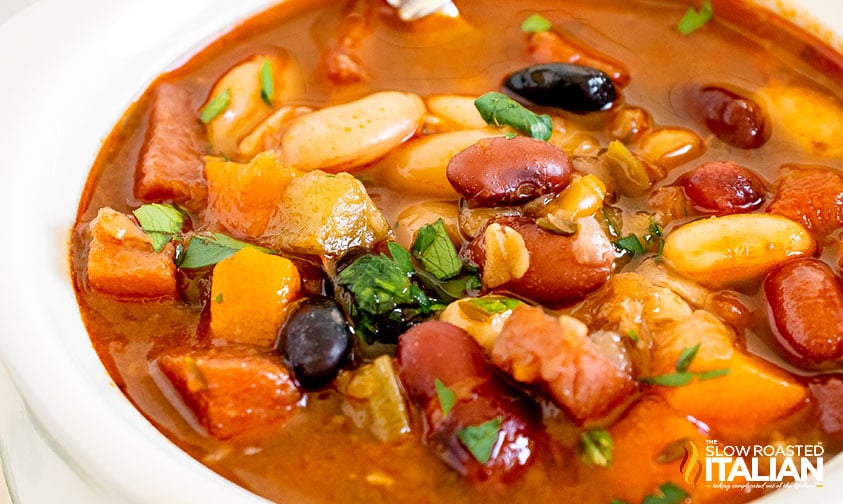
x: 315, y: 341
x: 574, y: 88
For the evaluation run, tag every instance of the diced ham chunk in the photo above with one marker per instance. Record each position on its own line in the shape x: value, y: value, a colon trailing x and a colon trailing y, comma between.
x: 557, y: 355
x: 232, y: 391
x: 122, y: 263
x: 171, y: 166
x: 811, y: 196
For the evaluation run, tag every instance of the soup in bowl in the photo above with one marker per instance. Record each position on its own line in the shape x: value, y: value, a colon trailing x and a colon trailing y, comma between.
x: 514, y: 251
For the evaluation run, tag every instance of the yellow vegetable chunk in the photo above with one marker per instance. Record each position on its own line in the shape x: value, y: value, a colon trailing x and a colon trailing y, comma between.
x: 813, y: 118
x: 250, y: 293
x: 728, y: 250
x: 327, y: 215
x: 247, y: 107
x: 419, y: 167
x: 243, y: 197
x: 347, y: 136
x: 122, y: 263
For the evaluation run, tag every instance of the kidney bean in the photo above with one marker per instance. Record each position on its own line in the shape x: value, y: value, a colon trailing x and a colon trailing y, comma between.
x: 440, y: 351
x: 723, y: 187
x: 562, y: 269
x: 574, y: 88
x: 733, y: 118
x: 827, y: 391
x: 508, y: 170
x: 805, y: 309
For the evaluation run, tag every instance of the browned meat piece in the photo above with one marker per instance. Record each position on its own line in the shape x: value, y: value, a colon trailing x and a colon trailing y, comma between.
x: 122, y: 263
x: 811, y: 196
x: 556, y: 355
x: 171, y: 166
x: 232, y: 391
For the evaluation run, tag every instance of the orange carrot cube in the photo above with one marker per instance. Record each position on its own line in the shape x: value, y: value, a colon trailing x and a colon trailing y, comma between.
x: 250, y: 292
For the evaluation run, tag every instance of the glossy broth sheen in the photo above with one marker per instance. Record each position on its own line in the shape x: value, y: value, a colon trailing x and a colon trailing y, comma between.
x: 318, y: 455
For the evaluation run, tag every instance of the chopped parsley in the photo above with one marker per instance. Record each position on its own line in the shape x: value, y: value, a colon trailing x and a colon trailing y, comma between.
x: 535, y: 23
x: 695, y: 19
x: 629, y: 244
x: 492, y: 305
x: 596, y: 447
x: 633, y: 336
x: 162, y: 222
x: 218, y: 298
x: 215, y: 107
x: 498, y: 109
x: 435, y: 250
x: 378, y: 283
x: 481, y: 439
x: 446, y: 396
x: 208, y: 249
x: 682, y: 376
x: 668, y: 494
x: 267, y: 83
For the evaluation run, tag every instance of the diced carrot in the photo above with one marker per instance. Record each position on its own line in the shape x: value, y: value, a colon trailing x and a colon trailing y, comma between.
x: 232, y: 391
x: 243, y: 197
x: 170, y: 166
x: 121, y: 261
x: 751, y: 395
x: 250, y: 292
x: 646, y: 442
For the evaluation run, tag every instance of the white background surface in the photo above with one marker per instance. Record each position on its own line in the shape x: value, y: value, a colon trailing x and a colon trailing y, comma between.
x: 7, y: 9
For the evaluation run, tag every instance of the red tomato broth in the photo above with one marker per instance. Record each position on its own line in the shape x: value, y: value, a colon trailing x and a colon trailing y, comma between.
x: 318, y: 454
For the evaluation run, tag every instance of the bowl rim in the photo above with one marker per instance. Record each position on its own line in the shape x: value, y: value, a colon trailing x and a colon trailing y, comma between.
x: 109, y: 441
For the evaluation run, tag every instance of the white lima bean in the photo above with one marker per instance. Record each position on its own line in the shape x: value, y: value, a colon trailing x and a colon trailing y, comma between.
x: 419, y: 167
x: 247, y: 108
x: 351, y: 135
x: 722, y: 251
x: 454, y: 112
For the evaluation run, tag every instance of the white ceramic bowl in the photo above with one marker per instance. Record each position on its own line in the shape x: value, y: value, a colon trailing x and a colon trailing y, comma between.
x: 69, y: 70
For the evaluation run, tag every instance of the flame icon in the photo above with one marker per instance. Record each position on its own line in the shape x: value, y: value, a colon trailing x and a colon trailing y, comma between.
x: 690, y: 465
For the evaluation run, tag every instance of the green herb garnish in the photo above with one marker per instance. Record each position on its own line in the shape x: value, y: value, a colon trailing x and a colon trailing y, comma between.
x: 596, y: 447
x: 434, y: 248
x: 633, y: 336
x: 481, y: 439
x: 498, y: 109
x: 267, y: 83
x: 668, y: 494
x: 695, y: 19
x: 218, y: 298
x: 379, y: 284
x: 401, y: 257
x: 492, y: 305
x: 630, y: 244
x: 535, y: 23
x: 215, y: 107
x: 685, y: 358
x: 669, y: 380
x: 162, y: 222
x: 205, y: 250
x: 682, y: 376
x: 446, y: 396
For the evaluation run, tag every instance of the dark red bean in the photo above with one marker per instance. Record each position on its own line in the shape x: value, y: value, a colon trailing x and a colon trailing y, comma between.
x: 504, y: 171
x: 811, y: 196
x: 805, y: 309
x: 734, y: 119
x: 723, y: 187
x: 439, y: 351
x: 827, y: 391
x: 558, y: 274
